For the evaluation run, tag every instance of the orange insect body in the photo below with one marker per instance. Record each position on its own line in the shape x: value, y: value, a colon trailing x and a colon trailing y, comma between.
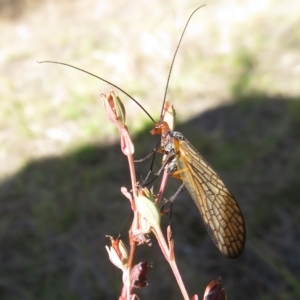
x: 219, y: 209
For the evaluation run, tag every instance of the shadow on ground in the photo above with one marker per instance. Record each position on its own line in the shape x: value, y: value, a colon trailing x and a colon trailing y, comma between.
x: 55, y: 213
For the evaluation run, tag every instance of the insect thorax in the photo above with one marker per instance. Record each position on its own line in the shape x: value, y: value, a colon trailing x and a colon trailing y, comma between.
x: 177, y: 135
x: 167, y: 145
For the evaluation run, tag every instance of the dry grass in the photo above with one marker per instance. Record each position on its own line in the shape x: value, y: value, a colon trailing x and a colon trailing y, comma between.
x: 237, y: 53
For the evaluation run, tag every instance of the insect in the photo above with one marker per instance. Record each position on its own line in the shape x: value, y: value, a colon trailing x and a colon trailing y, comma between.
x: 219, y: 209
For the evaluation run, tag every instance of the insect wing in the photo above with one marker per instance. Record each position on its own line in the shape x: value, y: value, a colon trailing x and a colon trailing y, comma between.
x: 218, y: 207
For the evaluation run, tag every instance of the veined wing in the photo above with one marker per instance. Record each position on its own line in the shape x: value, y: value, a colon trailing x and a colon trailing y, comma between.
x: 218, y: 207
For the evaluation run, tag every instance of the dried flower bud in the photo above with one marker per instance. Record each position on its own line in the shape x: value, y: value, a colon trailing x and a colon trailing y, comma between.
x: 148, y: 210
x: 215, y: 291
x: 117, y: 253
x: 139, y: 274
x: 169, y: 115
x: 114, y: 108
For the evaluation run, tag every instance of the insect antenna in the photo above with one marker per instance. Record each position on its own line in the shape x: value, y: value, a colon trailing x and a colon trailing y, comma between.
x: 174, y: 56
x: 102, y: 79
x: 153, y: 152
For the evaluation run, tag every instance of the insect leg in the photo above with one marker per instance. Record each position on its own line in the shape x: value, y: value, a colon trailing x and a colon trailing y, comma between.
x: 146, y: 157
x: 171, y: 200
x: 152, y: 153
x: 181, y: 189
x: 167, y: 160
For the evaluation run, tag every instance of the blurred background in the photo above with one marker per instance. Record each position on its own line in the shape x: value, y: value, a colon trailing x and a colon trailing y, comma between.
x: 235, y: 86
